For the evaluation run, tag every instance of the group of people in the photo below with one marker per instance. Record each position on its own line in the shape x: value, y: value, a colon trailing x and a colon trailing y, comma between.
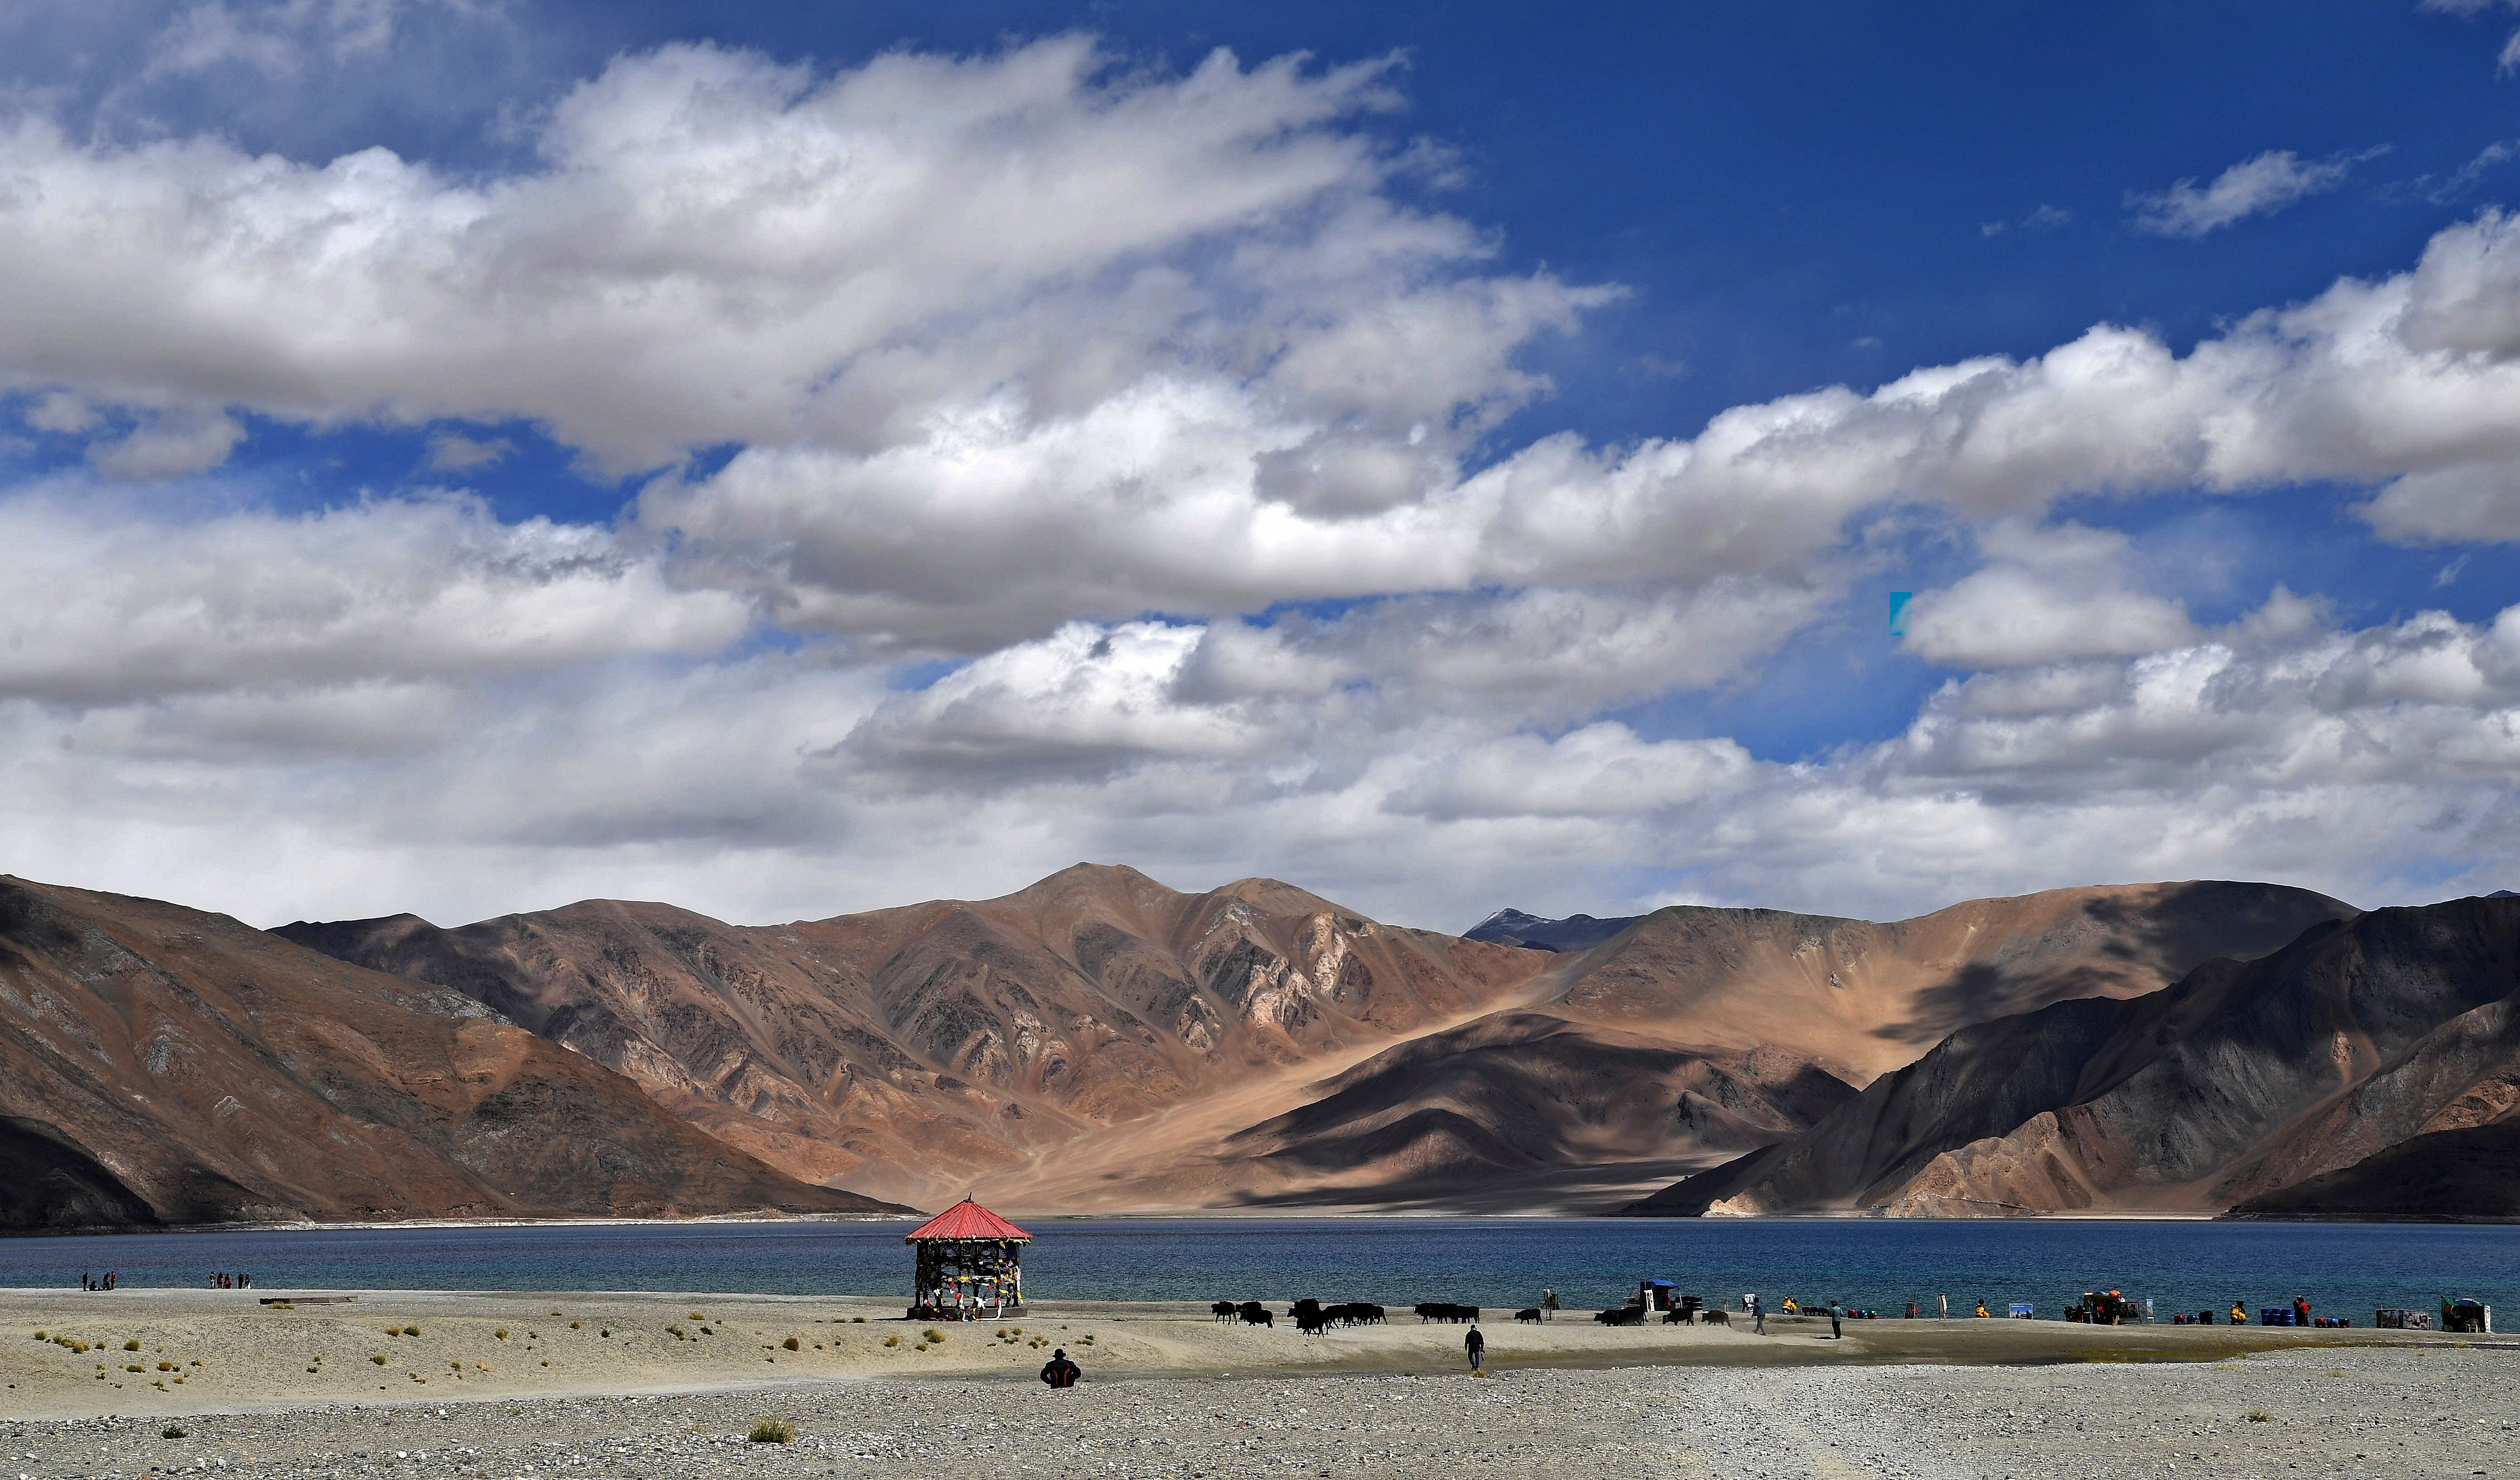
x: 112, y: 1277
x: 2240, y: 1316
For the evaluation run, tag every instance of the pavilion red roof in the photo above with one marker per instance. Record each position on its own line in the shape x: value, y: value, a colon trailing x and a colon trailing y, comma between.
x: 967, y: 1220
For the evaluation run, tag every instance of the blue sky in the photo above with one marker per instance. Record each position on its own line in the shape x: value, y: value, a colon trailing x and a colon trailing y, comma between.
x: 579, y: 549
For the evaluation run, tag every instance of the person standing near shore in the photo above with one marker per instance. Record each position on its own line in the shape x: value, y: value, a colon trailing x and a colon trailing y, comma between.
x: 1758, y: 1317
x: 1059, y: 1371
x: 1837, y: 1322
x: 1476, y: 1346
x: 1548, y: 1305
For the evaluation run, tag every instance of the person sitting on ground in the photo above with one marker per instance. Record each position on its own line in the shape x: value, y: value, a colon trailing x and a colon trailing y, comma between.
x: 2239, y: 1313
x: 1788, y: 1306
x: 1982, y: 1312
x: 1059, y: 1371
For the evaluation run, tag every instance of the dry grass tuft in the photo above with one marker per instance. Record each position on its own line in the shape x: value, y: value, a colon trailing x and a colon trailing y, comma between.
x: 771, y: 1431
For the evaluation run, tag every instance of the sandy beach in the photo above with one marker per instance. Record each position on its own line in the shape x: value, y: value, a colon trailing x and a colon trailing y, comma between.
x: 647, y: 1385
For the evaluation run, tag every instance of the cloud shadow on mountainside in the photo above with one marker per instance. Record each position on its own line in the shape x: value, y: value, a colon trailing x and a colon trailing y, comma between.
x: 1594, y: 1189
x: 2164, y: 939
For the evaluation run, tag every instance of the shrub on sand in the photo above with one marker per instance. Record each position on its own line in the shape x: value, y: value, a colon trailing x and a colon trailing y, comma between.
x: 771, y: 1431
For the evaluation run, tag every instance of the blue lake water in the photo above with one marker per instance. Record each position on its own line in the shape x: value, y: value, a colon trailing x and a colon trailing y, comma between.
x: 2343, y: 1268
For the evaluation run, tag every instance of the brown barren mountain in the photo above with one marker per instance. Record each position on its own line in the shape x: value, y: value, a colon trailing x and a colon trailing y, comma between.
x: 2470, y: 1175
x: 910, y: 1053
x: 1871, y: 997
x: 1689, y: 1035
x: 161, y: 1065
x: 1101, y: 1043
x: 2244, y: 1079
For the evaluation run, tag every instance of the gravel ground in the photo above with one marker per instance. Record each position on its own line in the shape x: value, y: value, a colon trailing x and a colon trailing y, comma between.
x: 2383, y: 1412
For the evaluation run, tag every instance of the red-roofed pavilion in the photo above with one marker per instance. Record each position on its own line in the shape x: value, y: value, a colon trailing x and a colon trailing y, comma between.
x: 970, y: 1265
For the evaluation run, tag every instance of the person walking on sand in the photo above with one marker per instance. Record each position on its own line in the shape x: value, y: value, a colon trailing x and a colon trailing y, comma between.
x: 1837, y: 1322
x: 1476, y: 1346
x: 1059, y: 1371
x: 1758, y: 1317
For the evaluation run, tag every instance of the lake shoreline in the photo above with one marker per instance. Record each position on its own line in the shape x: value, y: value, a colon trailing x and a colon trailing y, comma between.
x: 1205, y: 1215
x: 255, y: 1348
x: 672, y: 1385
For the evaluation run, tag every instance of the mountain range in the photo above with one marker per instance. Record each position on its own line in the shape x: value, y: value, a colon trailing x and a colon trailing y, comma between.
x: 2369, y: 1051
x: 161, y: 1066
x: 1101, y: 1043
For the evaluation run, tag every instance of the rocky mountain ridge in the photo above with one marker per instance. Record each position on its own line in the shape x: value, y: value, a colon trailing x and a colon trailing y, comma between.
x: 1096, y: 1042
x: 1100, y: 1042
x: 164, y: 1066
x: 2377, y: 1042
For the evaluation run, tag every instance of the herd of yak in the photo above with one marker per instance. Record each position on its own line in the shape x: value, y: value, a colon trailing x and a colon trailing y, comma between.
x: 1312, y: 1317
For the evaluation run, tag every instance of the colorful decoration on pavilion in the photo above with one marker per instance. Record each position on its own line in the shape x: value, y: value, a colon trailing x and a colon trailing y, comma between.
x: 969, y: 1266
